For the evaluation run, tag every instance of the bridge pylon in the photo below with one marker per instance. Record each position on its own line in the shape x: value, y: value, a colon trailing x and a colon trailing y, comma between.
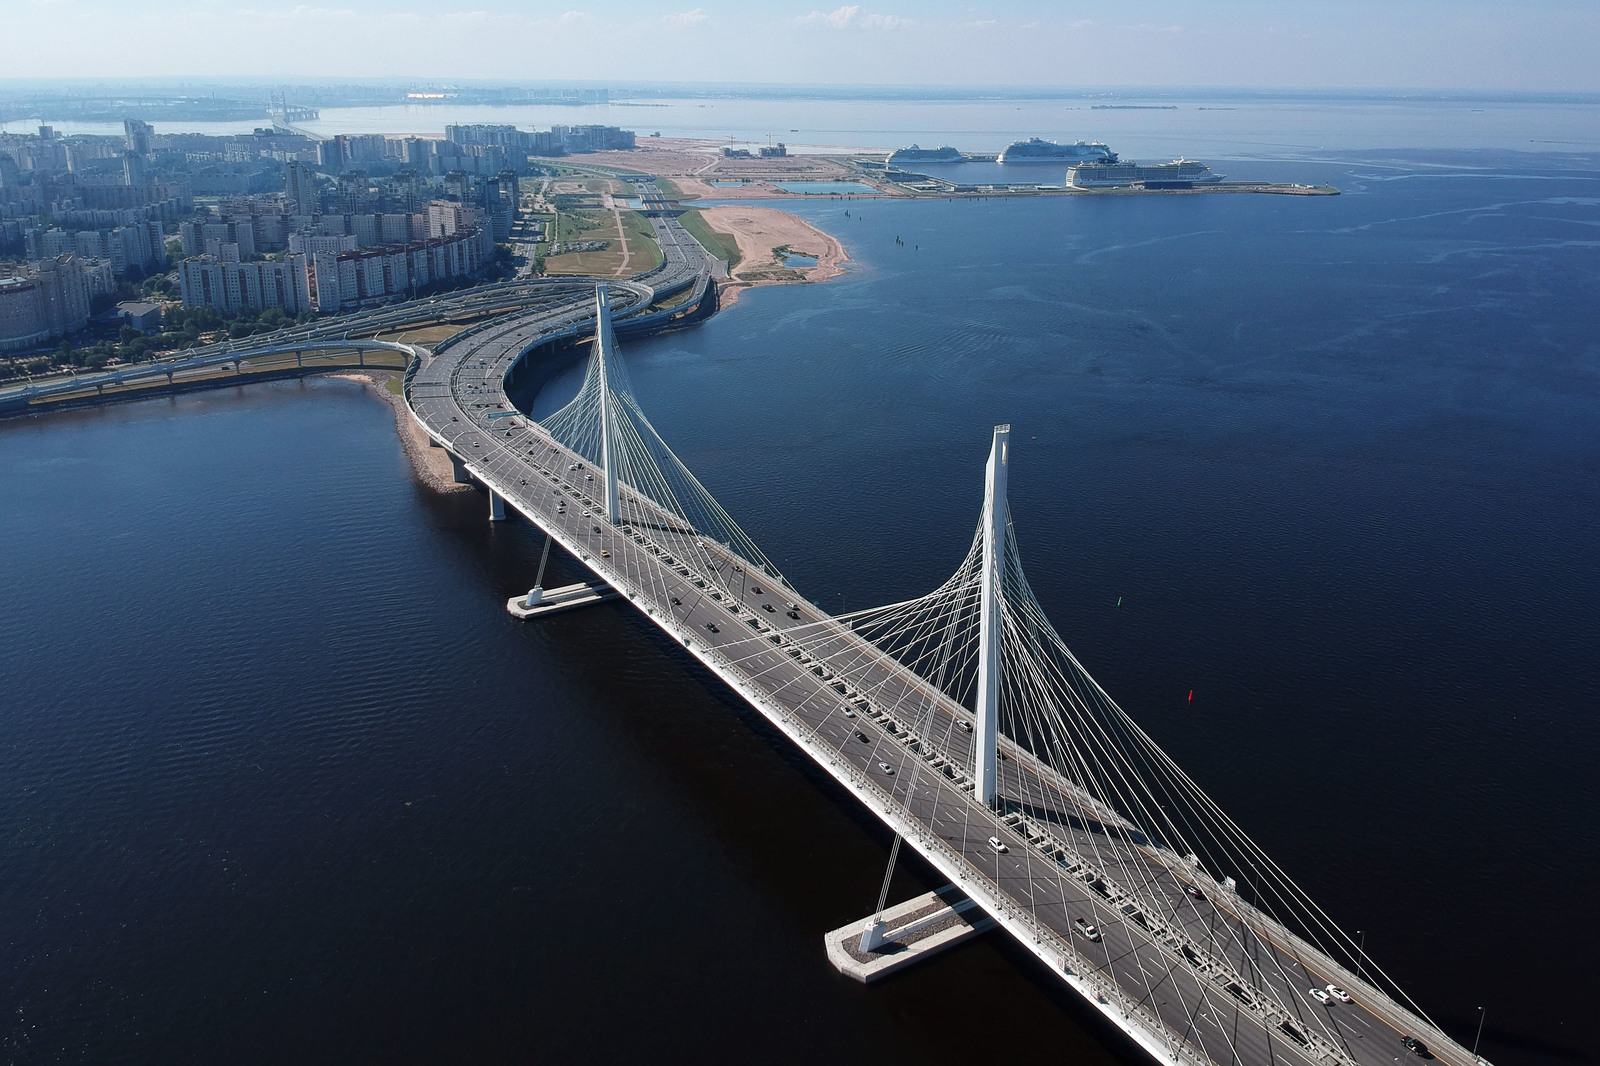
x: 989, y: 617
x: 605, y: 347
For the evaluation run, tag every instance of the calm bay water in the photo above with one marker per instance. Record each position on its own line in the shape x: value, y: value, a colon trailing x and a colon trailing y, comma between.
x: 281, y: 780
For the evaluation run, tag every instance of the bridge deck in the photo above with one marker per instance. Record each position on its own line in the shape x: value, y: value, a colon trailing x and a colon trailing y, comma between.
x: 1163, y: 966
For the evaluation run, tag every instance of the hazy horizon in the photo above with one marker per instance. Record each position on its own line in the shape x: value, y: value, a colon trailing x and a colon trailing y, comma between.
x: 1405, y: 45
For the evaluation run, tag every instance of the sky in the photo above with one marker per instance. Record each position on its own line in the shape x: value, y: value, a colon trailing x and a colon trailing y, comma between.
x: 1487, y: 45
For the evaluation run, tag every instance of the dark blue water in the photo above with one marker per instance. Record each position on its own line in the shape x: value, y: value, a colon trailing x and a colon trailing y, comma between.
x: 282, y: 781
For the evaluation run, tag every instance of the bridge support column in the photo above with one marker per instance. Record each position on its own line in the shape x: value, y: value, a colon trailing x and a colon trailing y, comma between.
x: 608, y: 444
x: 989, y: 622
x: 497, y: 507
x: 458, y: 470
x: 297, y: 359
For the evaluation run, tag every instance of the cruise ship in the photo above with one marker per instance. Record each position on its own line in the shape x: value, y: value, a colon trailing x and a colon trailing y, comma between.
x: 1110, y: 174
x: 915, y: 154
x: 1034, y: 150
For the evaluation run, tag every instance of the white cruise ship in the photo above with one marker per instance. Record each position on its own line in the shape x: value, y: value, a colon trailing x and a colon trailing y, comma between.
x: 1109, y: 174
x: 914, y: 154
x: 1034, y: 150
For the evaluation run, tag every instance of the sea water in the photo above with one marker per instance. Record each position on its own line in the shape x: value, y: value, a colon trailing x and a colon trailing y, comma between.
x: 284, y: 782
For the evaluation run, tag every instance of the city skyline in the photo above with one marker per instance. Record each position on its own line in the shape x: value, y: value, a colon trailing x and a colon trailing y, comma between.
x: 1413, y: 44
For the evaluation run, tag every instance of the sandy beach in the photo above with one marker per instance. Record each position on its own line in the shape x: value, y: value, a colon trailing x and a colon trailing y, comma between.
x: 760, y: 232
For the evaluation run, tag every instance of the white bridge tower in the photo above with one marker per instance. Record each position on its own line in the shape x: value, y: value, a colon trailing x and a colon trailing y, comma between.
x: 989, y: 622
x: 605, y: 344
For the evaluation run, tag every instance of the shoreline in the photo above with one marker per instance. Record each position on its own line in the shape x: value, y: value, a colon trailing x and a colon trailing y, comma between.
x: 760, y: 232
x: 430, y: 466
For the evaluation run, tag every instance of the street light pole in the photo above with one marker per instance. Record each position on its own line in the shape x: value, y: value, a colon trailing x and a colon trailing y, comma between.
x: 1361, y: 952
x: 1481, y: 1015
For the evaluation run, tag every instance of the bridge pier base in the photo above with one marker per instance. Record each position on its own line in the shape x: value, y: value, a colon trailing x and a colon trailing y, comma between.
x: 458, y: 470
x: 905, y: 934
x: 554, y: 601
x: 497, y: 507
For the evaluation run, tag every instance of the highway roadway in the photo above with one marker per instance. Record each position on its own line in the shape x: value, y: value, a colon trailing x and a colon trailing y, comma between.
x: 1199, y: 973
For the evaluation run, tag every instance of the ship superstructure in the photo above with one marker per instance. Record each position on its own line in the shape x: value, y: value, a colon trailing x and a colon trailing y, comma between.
x: 1110, y: 174
x: 916, y: 154
x: 1035, y: 150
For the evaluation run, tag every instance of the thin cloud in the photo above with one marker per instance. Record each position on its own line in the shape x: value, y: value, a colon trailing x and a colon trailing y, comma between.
x: 850, y: 17
x: 683, y: 20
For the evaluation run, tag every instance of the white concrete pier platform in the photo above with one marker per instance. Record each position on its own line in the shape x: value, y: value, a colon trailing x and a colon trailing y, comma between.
x: 912, y: 931
x: 540, y: 602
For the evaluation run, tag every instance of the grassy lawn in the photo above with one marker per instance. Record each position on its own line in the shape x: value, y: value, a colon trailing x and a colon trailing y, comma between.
x: 671, y: 191
x: 641, y: 241
x: 423, y: 335
x: 602, y: 226
x: 721, y: 245
x: 585, y: 226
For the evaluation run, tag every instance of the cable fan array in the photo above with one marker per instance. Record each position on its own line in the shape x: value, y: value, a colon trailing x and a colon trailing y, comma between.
x: 1080, y: 775
x: 1092, y: 769
x: 604, y: 417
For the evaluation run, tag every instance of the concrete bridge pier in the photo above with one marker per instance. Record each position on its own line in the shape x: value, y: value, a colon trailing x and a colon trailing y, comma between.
x: 458, y: 470
x: 297, y: 360
x: 497, y: 507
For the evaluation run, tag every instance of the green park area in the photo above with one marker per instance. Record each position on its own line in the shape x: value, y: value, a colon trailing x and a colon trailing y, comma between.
x: 582, y: 218
x: 722, y: 245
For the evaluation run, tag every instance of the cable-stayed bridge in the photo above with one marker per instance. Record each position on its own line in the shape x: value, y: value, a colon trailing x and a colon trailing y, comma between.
x: 960, y: 718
